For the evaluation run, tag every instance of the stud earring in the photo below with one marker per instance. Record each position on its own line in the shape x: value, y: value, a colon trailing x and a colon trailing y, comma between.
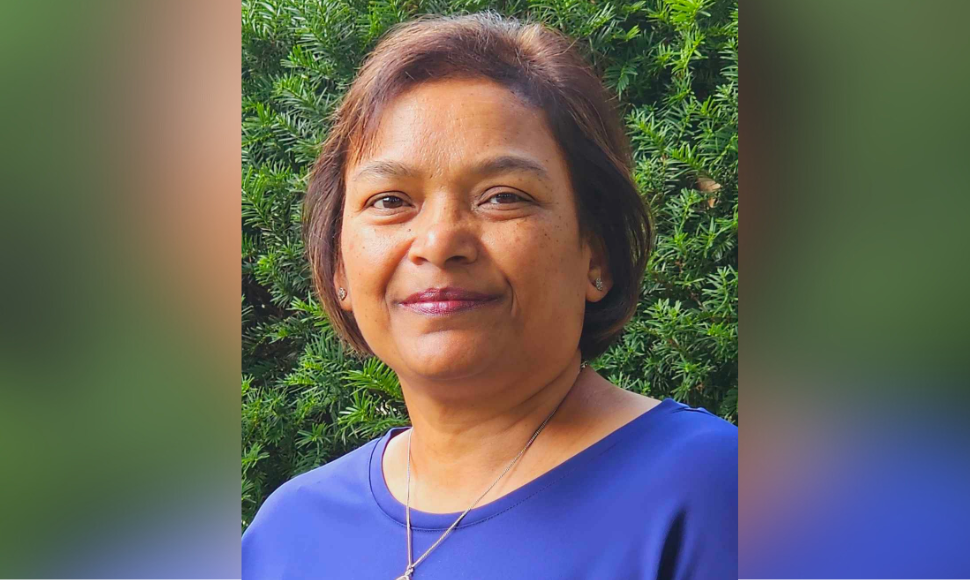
x: 598, y: 284
x: 342, y: 293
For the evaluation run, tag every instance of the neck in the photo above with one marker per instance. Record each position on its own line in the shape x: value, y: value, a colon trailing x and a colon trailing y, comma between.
x: 461, y: 444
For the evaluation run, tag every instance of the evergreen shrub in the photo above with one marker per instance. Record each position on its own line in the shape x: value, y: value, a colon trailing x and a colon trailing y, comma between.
x: 673, y: 65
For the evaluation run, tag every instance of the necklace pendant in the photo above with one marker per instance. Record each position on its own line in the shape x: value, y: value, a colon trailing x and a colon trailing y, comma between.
x: 404, y: 577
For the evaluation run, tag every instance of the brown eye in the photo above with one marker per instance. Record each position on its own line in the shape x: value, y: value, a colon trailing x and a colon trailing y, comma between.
x: 388, y: 202
x: 504, y: 198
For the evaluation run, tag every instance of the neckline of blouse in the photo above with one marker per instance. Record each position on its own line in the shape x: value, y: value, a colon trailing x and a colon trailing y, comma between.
x: 428, y: 521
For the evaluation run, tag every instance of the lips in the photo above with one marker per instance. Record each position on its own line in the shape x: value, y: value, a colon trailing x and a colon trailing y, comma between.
x: 446, y: 300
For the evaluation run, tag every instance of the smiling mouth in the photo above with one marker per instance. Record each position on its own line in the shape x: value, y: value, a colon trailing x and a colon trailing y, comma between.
x: 445, y: 307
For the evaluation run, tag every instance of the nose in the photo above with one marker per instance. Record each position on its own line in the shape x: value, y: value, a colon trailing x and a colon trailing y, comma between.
x: 446, y: 233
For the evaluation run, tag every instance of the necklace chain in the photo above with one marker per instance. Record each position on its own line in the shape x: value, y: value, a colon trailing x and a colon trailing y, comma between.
x: 408, y: 518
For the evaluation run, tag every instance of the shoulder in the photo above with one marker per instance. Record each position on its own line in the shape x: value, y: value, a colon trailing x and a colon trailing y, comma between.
x: 695, y: 431
x: 690, y: 450
x: 301, y: 516
x: 669, y: 426
x: 349, y: 467
x: 342, y: 480
x: 689, y: 459
x: 706, y: 443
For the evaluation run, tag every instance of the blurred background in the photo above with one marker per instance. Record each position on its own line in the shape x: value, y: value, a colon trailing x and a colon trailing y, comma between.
x: 854, y: 446
x: 119, y: 340
x: 140, y: 287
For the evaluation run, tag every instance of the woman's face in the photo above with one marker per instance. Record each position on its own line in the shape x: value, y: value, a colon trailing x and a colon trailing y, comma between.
x: 465, y: 188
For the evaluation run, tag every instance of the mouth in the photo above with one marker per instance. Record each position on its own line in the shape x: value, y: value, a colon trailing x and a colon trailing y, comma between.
x: 442, y: 307
x: 444, y: 301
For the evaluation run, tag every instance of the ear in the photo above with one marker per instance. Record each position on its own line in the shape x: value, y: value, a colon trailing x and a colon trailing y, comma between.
x: 340, y: 281
x: 598, y: 269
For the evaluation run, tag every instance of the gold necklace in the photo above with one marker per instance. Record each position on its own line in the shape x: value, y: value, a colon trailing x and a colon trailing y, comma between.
x: 410, y: 569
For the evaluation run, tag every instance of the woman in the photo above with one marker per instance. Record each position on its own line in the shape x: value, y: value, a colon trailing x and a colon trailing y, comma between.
x: 472, y: 222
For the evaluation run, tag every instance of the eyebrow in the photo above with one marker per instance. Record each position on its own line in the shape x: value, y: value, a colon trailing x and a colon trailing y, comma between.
x: 500, y: 164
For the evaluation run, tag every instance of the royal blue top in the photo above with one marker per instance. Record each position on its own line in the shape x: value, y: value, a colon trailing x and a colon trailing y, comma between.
x: 657, y: 498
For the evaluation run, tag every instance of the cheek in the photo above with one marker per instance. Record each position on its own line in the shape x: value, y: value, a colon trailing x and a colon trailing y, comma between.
x: 542, y: 262
x: 367, y: 258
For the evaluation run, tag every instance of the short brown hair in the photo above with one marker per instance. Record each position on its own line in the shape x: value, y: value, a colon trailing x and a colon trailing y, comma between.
x: 541, y: 66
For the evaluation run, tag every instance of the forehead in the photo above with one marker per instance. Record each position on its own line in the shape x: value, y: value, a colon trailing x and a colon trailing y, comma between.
x: 441, y: 126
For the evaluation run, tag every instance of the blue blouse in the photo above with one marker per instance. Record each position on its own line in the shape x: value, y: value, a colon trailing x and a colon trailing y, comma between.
x: 657, y: 498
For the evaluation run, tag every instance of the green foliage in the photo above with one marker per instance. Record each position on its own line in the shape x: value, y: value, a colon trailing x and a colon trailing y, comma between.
x: 674, y: 66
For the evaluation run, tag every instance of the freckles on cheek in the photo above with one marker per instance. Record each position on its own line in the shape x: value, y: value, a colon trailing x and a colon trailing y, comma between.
x: 371, y: 259
x: 536, y: 258
x: 375, y: 245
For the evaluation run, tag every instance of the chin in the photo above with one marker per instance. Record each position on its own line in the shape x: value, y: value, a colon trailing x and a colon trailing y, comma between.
x: 448, y: 361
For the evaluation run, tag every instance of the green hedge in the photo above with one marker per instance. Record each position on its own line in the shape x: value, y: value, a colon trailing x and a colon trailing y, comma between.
x: 674, y: 65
